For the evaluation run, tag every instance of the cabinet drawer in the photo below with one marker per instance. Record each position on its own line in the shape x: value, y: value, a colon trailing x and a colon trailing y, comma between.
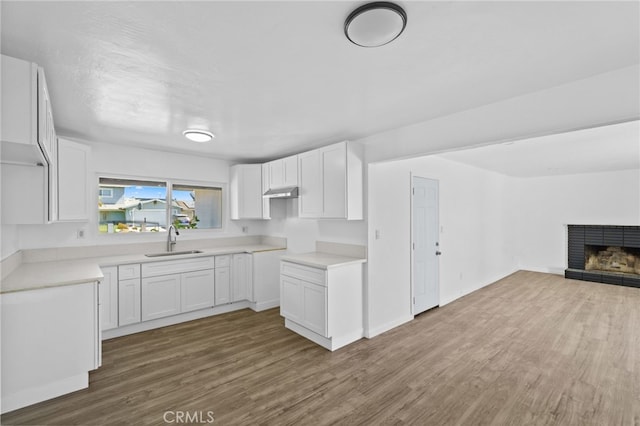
x: 176, y: 266
x: 223, y: 261
x: 127, y: 272
x: 307, y: 273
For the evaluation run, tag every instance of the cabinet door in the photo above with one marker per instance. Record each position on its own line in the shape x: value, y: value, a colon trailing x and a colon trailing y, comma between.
x: 310, y: 191
x: 197, y: 289
x: 246, y: 191
x: 241, y: 278
x: 291, y: 298
x: 266, y: 202
x: 276, y: 174
x: 223, y: 286
x: 314, y: 311
x: 46, y: 131
x: 72, y: 181
x: 290, y: 166
x: 334, y: 181
x: 128, y: 301
x: 160, y: 296
x: 108, y: 290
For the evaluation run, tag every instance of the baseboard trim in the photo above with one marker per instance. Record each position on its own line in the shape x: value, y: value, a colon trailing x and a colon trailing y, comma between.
x: 263, y: 306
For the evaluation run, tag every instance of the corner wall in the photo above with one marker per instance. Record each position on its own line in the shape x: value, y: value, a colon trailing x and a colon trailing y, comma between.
x: 545, y: 205
x: 476, y: 234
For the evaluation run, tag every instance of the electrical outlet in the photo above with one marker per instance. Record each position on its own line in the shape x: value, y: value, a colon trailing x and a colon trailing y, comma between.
x: 245, y: 229
x: 80, y: 233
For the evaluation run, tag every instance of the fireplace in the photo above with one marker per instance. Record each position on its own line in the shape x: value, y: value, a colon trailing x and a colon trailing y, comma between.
x: 605, y: 254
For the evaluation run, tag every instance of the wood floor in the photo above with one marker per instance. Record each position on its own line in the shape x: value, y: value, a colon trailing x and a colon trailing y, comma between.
x: 530, y: 349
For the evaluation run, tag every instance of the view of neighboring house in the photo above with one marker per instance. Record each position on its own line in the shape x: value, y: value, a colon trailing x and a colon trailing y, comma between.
x: 137, y: 214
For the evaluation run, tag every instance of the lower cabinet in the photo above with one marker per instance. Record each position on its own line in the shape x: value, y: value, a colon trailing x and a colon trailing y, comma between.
x: 160, y: 296
x: 197, y: 290
x: 241, y: 278
x: 223, y: 285
x: 50, y: 342
x: 128, y: 301
x: 323, y: 305
x: 109, y: 298
x: 304, y: 303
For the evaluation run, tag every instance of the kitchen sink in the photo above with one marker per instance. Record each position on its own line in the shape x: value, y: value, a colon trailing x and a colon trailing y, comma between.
x: 173, y: 253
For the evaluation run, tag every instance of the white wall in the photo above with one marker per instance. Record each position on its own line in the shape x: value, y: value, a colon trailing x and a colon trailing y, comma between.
x: 545, y: 205
x: 302, y: 234
x: 477, y: 242
x: 135, y: 162
x: 9, y: 243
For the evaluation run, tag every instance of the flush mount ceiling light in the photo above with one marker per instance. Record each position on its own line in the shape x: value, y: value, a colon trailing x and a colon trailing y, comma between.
x: 375, y: 24
x: 198, y: 135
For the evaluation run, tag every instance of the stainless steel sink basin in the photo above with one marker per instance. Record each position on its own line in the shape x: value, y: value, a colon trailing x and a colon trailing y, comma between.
x: 173, y: 253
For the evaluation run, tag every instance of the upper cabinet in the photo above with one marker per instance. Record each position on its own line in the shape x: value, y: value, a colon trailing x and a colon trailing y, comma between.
x: 246, y: 191
x: 331, y: 183
x: 283, y: 172
x: 28, y: 134
x: 44, y: 180
x: 72, y: 181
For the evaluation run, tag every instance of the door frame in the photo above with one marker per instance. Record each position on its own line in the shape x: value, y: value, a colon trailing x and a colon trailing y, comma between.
x: 411, y: 251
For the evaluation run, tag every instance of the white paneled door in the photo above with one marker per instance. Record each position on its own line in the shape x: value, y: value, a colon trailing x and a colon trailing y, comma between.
x: 425, y: 244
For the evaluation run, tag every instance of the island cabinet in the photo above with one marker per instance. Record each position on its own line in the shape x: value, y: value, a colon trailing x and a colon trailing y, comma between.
x: 331, y: 182
x: 50, y: 342
x: 322, y: 304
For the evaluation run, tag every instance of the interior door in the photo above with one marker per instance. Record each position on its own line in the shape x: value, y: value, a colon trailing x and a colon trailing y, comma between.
x: 425, y: 244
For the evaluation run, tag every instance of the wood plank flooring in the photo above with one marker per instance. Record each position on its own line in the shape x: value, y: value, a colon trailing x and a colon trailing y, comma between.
x: 530, y: 349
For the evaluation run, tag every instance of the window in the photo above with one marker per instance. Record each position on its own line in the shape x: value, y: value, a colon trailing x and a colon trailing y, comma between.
x: 200, y: 207
x: 106, y: 192
x: 129, y: 206
x: 134, y: 206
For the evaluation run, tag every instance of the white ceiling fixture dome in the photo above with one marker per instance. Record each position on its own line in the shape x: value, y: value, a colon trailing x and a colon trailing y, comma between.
x: 197, y: 135
x: 375, y: 24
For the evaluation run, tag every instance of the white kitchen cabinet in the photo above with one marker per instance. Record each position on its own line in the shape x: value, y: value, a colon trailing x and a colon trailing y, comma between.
x: 28, y: 134
x: 160, y: 296
x: 72, y: 181
x: 129, y: 301
x: 50, y: 342
x: 331, y: 182
x: 242, y: 277
x: 223, y: 285
x: 197, y: 290
x: 19, y: 207
x: 323, y: 305
x: 283, y: 172
x: 266, y: 202
x: 265, y: 266
x: 109, y: 298
x: 246, y: 191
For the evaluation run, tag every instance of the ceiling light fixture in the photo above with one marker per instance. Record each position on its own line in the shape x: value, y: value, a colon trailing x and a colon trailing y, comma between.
x: 375, y: 24
x: 198, y: 135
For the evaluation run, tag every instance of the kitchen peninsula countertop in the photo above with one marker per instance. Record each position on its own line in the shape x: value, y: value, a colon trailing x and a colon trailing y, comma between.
x: 322, y: 260
x: 36, y: 275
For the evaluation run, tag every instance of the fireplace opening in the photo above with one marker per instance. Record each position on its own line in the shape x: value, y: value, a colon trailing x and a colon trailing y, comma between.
x: 612, y: 259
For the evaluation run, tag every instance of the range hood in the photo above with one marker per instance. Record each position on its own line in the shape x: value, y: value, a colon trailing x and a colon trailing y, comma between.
x: 287, y: 192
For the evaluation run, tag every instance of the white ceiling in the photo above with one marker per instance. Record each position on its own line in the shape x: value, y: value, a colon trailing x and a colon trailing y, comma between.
x: 600, y: 149
x: 275, y: 78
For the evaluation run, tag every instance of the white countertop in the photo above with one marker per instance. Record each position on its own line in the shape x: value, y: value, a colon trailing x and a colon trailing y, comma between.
x: 322, y: 260
x: 35, y: 275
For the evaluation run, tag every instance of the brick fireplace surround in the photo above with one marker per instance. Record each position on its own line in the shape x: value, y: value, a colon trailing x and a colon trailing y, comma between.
x: 604, y: 254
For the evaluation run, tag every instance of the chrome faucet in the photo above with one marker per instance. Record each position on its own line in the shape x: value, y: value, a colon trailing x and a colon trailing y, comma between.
x: 171, y: 241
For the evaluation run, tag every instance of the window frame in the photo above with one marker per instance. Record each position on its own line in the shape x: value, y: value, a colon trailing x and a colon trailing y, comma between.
x: 169, y: 183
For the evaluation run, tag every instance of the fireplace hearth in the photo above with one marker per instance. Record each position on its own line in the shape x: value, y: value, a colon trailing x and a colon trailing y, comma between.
x: 605, y: 254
